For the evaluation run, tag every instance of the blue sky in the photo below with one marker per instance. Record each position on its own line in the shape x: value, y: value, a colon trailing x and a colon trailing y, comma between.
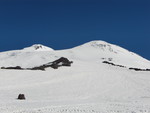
x: 64, y: 24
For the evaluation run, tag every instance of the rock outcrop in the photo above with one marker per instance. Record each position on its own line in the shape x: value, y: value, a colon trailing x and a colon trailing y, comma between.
x: 21, y: 97
x: 55, y: 65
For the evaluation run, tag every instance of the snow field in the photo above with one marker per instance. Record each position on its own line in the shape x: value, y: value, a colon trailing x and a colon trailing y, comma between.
x: 88, y: 86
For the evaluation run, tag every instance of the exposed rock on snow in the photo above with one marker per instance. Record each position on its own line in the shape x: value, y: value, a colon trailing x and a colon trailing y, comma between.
x: 17, y: 67
x: 131, y: 68
x: 21, y: 97
x: 138, y: 69
x: 106, y: 62
x: 55, y: 64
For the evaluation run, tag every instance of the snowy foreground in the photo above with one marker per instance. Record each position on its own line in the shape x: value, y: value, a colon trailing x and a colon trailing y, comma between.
x: 88, y: 86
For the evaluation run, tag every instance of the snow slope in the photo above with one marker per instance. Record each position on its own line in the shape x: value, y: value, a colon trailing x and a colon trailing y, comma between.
x: 88, y: 86
x: 94, y: 51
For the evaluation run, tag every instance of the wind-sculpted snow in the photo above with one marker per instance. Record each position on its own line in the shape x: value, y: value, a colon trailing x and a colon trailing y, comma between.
x: 88, y: 86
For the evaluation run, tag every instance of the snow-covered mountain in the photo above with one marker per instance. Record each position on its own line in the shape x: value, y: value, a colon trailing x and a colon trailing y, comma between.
x: 94, y: 51
x: 88, y: 86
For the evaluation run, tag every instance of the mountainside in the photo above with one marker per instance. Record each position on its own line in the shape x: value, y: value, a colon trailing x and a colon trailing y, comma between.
x: 94, y: 51
x: 88, y: 85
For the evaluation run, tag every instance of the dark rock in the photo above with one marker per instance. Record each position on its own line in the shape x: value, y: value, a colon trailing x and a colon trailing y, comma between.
x: 17, y: 67
x: 55, y: 64
x: 61, y: 62
x: 38, y: 68
x: 110, y: 63
x: 147, y: 69
x: 138, y: 69
x: 21, y: 97
x: 131, y: 68
x: 110, y: 59
x: 38, y: 47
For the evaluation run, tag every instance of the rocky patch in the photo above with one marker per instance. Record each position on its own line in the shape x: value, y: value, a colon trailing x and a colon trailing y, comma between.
x: 131, y: 68
x: 17, y: 67
x: 106, y: 62
x: 55, y: 65
x: 21, y: 97
x: 138, y: 69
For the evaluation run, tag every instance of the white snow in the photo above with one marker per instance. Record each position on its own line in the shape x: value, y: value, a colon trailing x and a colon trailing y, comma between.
x: 38, y: 47
x: 88, y: 86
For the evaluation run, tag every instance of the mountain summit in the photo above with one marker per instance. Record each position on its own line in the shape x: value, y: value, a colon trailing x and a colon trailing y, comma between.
x: 38, y: 47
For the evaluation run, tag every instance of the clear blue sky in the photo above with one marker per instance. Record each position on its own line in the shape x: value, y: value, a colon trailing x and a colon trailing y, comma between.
x: 64, y: 24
